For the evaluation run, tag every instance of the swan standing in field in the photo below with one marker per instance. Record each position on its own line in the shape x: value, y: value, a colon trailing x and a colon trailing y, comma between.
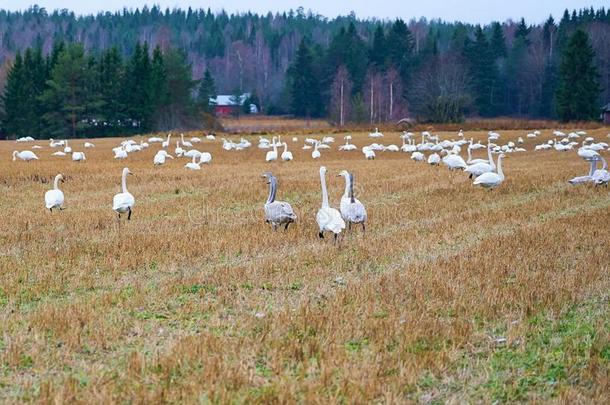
x: 25, y: 155
x: 79, y: 156
x: 54, y: 198
x: 315, y: 154
x: 120, y: 153
x: 185, y: 143
x: 277, y: 213
x: 286, y: 155
x: 271, y: 155
x: 160, y: 157
x: 328, y: 219
x: 165, y: 143
x: 178, y: 151
x: 67, y: 149
x: 490, y: 179
x: 352, y: 210
x: 123, y: 202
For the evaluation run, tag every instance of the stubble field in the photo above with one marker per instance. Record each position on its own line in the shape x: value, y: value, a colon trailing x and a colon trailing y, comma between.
x: 455, y: 294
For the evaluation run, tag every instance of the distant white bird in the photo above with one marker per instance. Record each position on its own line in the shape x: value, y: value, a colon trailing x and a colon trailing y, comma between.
x: 120, y: 153
x: 155, y: 139
x: 54, y: 198
x: 36, y: 147
x: 178, y: 151
x: 348, y: 146
x: 58, y: 153
x: 454, y: 162
x: 25, y: 155
x: 210, y: 137
x: 185, y: 143
x: 376, y: 134
x: 352, y: 210
x: 369, y: 153
x: 67, y: 148
x: 315, y: 154
x: 193, y: 165
x: 55, y: 144
x: 286, y: 155
x: 123, y: 202
x: 78, y: 156
x: 601, y: 176
x: 160, y: 157
x: 165, y: 143
x: 328, y: 219
x: 195, y: 139
x: 271, y: 155
x: 89, y: 145
x: 204, y: 158
x: 491, y: 179
x: 587, y: 178
x: 418, y: 156
x: 277, y: 213
x: 434, y: 159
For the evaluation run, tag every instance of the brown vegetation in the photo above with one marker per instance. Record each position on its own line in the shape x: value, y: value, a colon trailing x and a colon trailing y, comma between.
x: 455, y: 294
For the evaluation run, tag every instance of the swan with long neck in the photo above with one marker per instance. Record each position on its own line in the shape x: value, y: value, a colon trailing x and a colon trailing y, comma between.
x: 491, y: 179
x: 352, y: 210
x: 123, y: 202
x: 272, y: 154
x: 277, y: 213
x: 315, y: 154
x: 286, y: 154
x: 165, y: 143
x: 477, y: 169
x: 193, y: 165
x: 328, y: 218
x: 54, y: 198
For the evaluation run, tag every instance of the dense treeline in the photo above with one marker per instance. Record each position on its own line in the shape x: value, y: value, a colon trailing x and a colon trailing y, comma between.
x: 74, y: 92
x: 345, y: 68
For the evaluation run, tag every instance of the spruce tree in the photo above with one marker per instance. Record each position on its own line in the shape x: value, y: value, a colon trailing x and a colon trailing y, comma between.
x: 207, y: 90
x: 523, y: 32
x: 14, y: 121
x: 400, y: 52
x: 111, y: 78
x: 305, y: 93
x: 378, y: 51
x: 498, y: 41
x: 578, y: 89
x: 484, y: 73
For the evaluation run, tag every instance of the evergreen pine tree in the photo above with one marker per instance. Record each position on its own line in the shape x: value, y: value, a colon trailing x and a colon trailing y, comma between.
x: 378, y: 51
x: 523, y: 32
x: 400, y: 52
x: 578, y: 89
x: 498, y: 41
x: 484, y: 73
x: 14, y: 120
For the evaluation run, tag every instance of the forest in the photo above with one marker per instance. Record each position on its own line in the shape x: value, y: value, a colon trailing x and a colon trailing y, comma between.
x: 153, y: 69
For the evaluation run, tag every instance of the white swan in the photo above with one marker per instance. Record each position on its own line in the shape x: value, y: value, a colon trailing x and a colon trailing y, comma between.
x: 352, y: 210
x: 477, y: 169
x: 601, y: 176
x: 286, y: 155
x: 376, y: 134
x: 120, y: 153
x: 328, y: 219
x: 585, y: 179
x: 491, y: 179
x: 54, y: 198
x: 193, y: 165
x: 271, y: 155
x: 205, y: 157
x: 67, y: 149
x: 348, y: 146
x: 178, y: 151
x: 369, y: 153
x: 185, y: 143
x: 277, y: 213
x: 315, y: 154
x: 418, y: 156
x: 79, y: 157
x: 89, y: 145
x: 434, y: 159
x: 165, y: 143
x: 160, y: 157
x: 123, y: 202
x: 25, y: 155
x: 454, y: 162
x: 58, y: 153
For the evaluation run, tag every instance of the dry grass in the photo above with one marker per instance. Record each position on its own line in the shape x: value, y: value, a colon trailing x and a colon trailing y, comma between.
x: 196, y: 300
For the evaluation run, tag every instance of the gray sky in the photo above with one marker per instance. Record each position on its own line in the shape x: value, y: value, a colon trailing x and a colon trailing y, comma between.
x: 476, y: 11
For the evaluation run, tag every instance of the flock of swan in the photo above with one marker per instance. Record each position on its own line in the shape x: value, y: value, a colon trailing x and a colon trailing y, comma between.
x: 486, y: 173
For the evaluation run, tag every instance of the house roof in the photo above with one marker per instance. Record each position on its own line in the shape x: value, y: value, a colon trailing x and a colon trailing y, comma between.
x: 228, y: 99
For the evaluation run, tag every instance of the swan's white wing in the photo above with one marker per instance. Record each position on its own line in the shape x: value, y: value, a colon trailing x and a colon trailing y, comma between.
x: 54, y: 198
x: 122, y: 202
